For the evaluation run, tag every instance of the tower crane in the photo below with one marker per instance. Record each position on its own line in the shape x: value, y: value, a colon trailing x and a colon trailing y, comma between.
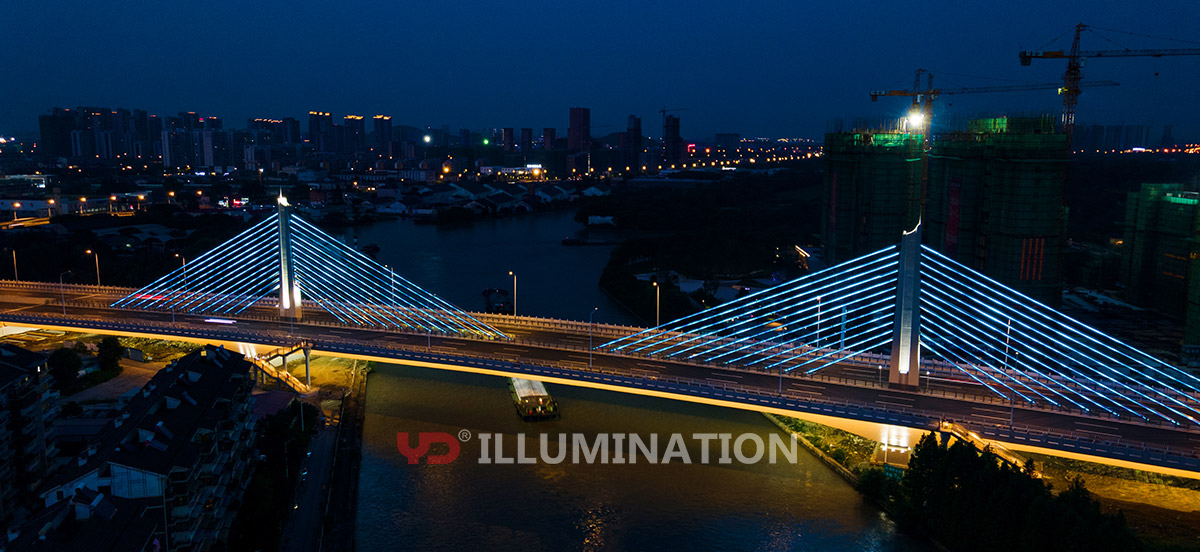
x: 1072, y: 86
x: 921, y: 112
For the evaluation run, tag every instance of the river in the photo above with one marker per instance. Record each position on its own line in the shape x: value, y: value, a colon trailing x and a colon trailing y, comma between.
x: 458, y: 262
x: 466, y: 505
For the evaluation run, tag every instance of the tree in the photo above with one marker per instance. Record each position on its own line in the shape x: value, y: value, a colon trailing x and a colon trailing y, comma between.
x: 110, y: 352
x: 64, y: 366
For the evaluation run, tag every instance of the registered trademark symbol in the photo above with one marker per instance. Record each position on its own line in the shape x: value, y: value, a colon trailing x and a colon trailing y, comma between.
x: 464, y: 435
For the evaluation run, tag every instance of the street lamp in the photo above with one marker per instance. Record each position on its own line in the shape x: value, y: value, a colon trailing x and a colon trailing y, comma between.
x: 62, y: 295
x: 97, y: 256
x: 514, y: 309
x: 50, y: 209
x: 15, y: 206
x: 141, y: 198
x: 16, y: 277
x: 657, y: 302
x: 590, y: 326
x: 82, y: 204
x: 111, y: 199
x: 183, y: 260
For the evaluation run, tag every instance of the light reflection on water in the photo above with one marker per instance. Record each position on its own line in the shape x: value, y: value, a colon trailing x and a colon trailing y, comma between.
x: 466, y: 505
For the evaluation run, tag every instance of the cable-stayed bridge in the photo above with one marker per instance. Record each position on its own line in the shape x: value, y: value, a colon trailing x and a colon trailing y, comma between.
x: 886, y: 345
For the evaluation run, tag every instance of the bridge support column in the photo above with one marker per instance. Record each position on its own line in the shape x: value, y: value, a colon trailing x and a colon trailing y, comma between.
x: 307, y: 366
x: 904, y: 370
x: 289, y: 290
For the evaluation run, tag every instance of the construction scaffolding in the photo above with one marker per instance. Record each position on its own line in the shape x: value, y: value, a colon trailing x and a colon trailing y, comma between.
x: 996, y: 201
x: 872, y: 190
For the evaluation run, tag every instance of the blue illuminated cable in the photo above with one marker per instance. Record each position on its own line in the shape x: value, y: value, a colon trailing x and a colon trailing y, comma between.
x: 884, y: 297
x: 883, y: 306
x: 1100, y: 369
x: 355, y: 288
x: 813, y: 292
x: 870, y: 332
x: 465, y: 321
x: 963, y: 321
x: 935, y: 329
x: 374, y: 267
x: 1096, y: 337
x: 789, y: 320
x: 137, y: 297
x: 747, y: 301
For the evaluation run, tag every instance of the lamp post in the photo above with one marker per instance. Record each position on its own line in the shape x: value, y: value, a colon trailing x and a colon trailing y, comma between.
x: 514, y: 309
x: 16, y: 205
x: 82, y: 204
x: 96, y: 254
x: 141, y: 198
x: 50, y: 209
x: 16, y: 277
x: 591, y: 326
x: 183, y: 260
x: 62, y: 295
x: 111, y: 199
x: 657, y: 302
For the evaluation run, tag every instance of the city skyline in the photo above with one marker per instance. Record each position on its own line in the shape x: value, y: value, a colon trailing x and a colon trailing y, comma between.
x: 786, y: 72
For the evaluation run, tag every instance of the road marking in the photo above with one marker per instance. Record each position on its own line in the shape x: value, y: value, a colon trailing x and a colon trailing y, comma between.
x: 909, y: 399
x: 1003, y: 419
x: 1097, y: 425
x: 727, y: 374
x: 895, y: 404
x: 655, y: 366
x: 721, y: 380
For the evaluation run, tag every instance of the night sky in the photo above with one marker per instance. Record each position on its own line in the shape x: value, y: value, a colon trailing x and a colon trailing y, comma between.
x: 758, y: 68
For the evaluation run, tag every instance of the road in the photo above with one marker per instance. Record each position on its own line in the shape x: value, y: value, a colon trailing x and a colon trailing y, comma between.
x: 568, y: 348
x: 303, y: 530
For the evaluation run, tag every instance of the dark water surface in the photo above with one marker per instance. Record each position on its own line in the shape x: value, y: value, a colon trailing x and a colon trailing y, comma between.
x: 458, y: 262
x: 466, y: 505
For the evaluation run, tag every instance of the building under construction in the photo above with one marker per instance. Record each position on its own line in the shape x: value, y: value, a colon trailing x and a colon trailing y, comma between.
x: 994, y: 197
x: 872, y: 191
x: 1160, y: 256
x: 996, y: 204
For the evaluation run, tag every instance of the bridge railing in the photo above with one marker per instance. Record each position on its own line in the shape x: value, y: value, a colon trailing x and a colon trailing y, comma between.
x: 984, y: 398
x: 1184, y: 457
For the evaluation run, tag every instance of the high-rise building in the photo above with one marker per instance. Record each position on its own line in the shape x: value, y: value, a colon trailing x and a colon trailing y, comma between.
x: 1162, y: 228
x: 506, y: 139
x: 579, y: 133
x: 871, y: 193
x: 996, y: 201
x: 28, y: 408
x: 526, y: 140
x: 672, y: 145
x: 383, y: 133
x: 548, y: 137
x: 320, y: 131
x: 631, y: 143
x: 355, y: 134
x: 1160, y: 257
x: 291, y: 131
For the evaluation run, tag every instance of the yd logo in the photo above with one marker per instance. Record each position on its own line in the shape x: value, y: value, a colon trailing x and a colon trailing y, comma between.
x: 425, y: 440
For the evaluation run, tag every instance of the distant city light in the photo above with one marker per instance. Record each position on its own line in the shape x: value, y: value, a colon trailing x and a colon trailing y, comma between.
x: 428, y: 138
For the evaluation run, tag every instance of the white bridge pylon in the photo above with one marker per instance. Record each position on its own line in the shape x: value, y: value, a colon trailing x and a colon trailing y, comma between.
x: 284, y: 260
x: 915, y: 311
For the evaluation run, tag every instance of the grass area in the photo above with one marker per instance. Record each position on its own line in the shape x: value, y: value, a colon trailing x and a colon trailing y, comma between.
x: 847, y: 449
x: 159, y: 350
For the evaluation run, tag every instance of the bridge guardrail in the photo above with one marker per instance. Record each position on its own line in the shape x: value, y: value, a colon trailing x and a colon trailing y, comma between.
x: 1179, y: 457
x: 529, y: 341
